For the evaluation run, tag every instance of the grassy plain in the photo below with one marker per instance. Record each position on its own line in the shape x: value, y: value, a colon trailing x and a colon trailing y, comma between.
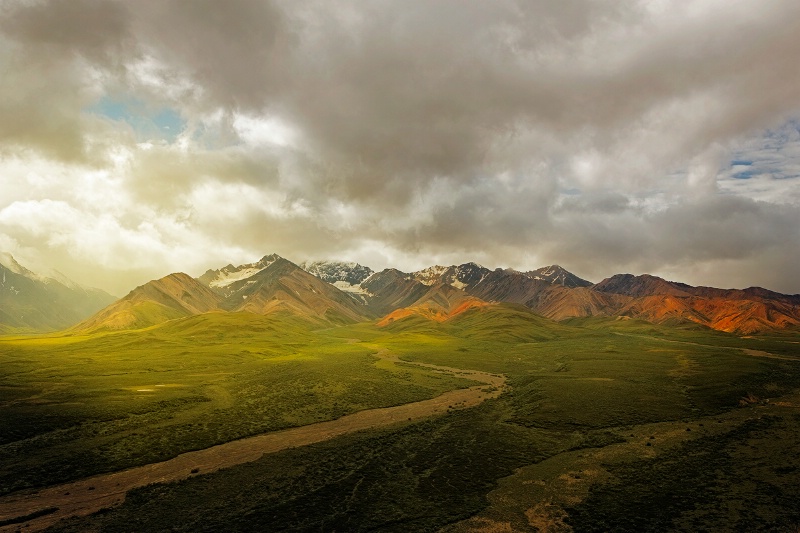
x: 74, y: 406
x: 603, y: 406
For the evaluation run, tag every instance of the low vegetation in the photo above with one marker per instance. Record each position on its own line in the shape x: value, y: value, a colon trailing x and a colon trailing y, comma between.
x: 77, y: 406
x: 589, y: 392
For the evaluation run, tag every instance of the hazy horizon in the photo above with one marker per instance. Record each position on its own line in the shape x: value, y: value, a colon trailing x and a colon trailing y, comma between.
x: 141, y: 139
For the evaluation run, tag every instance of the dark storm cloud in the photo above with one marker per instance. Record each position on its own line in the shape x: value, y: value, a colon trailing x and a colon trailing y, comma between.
x: 236, y: 51
x: 95, y: 29
x: 428, y: 88
x: 723, y: 240
x: 43, y: 92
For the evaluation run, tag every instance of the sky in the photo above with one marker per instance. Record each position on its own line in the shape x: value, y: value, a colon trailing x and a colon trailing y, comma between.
x: 140, y: 138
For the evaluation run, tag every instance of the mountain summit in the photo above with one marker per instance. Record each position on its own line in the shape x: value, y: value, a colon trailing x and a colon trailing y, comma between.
x: 226, y: 276
x: 284, y: 286
x: 558, y: 275
x: 346, y: 276
x: 31, y: 301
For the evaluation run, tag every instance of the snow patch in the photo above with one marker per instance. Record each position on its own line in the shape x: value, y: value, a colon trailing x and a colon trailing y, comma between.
x: 231, y: 274
x: 7, y: 260
x: 430, y: 275
x: 227, y: 278
x: 458, y: 284
x: 347, y: 287
x: 336, y: 272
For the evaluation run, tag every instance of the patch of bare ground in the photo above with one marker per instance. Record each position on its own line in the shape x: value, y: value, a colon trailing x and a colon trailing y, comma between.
x: 761, y: 353
x: 548, y: 518
x: 484, y: 525
x: 24, y: 511
x: 748, y: 351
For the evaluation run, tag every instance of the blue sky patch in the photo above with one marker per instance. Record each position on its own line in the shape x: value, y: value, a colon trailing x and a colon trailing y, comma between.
x: 771, y: 156
x: 745, y: 175
x: 147, y: 121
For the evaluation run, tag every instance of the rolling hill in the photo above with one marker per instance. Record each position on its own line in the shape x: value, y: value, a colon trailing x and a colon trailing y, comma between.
x: 174, y: 296
x: 441, y: 302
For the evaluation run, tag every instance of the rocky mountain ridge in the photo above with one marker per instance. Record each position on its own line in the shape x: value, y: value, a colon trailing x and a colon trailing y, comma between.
x: 336, y: 292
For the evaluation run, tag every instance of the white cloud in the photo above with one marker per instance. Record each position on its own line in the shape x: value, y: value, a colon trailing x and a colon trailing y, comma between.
x: 258, y: 131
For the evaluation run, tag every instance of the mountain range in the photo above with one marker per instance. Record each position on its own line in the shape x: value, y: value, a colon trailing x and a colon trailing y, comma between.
x: 30, y: 301
x: 334, y: 292
x: 338, y: 292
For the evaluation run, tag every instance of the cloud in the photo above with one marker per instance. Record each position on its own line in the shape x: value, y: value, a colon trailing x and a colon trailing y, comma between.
x: 94, y: 29
x: 48, y: 58
x: 716, y: 240
x: 595, y: 134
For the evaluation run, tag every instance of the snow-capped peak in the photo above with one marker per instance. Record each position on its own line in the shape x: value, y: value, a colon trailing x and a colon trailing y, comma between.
x: 557, y: 275
x: 430, y: 275
x: 468, y: 275
x: 460, y: 277
x: 344, y: 275
x: 7, y: 260
x: 53, y: 276
x: 554, y: 271
x: 230, y: 274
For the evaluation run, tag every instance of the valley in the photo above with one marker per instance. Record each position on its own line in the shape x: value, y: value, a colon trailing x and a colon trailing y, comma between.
x: 99, y: 492
x: 265, y: 397
x: 589, y: 386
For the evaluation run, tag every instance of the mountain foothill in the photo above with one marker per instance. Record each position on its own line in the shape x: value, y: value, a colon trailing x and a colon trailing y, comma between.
x: 334, y: 292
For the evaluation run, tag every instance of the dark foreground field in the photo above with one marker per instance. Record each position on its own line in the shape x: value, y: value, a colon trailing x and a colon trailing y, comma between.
x: 605, y: 425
